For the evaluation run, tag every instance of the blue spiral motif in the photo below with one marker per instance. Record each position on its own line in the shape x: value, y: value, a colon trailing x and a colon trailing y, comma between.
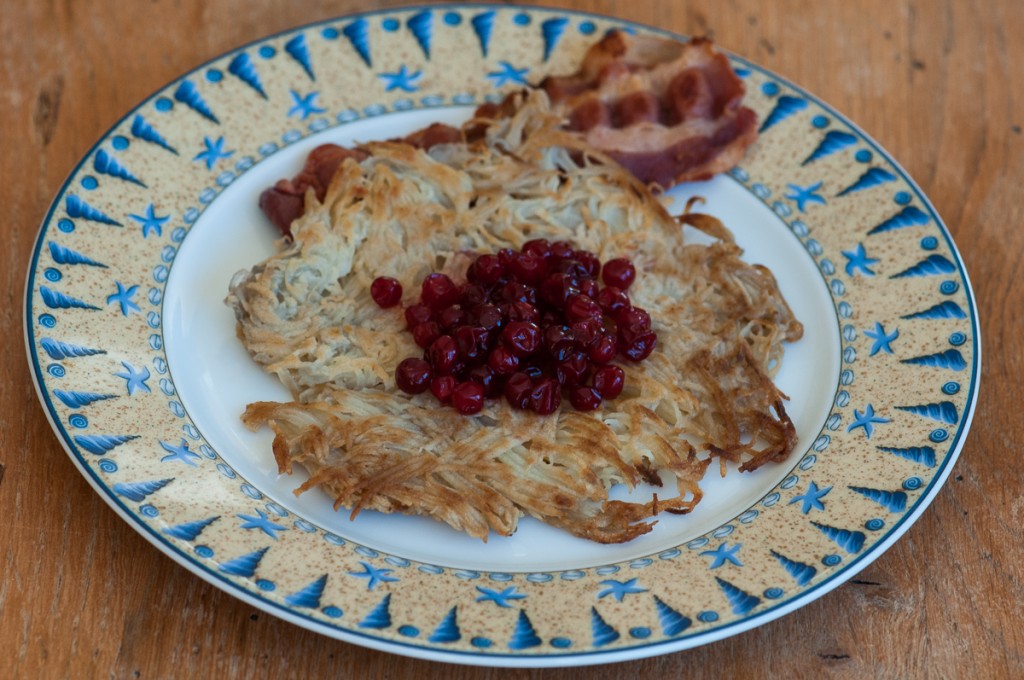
x: 267, y: 52
x: 957, y: 339
x: 949, y: 287
x: 334, y: 539
x: 483, y: 643
x: 149, y: 510
x: 251, y: 491
x: 561, y: 642
x: 773, y: 593
x: 226, y: 471
x: 863, y: 156
x: 277, y: 509
x: 707, y: 616
x: 303, y: 525
x: 52, y: 274
x: 265, y: 585
x: 204, y: 551
x: 939, y: 435
x: 901, y: 197
x: 332, y: 611
x: 952, y: 387
x: 929, y: 243
x: 610, y: 569
x: 108, y: 465
x: 820, y: 122
x: 874, y: 524
x: 770, y: 500
x: 56, y: 370
x: 831, y: 560
x: 79, y: 421
x: 912, y: 483
x: 367, y: 552
x: 67, y: 226
x: 640, y: 632
x: 789, y: 482
x: 408, y: 631
x: 808, y: 462
x: 89, y: 182
x: 770, y: 89
x: 47, y: 320
x: 574, y: 575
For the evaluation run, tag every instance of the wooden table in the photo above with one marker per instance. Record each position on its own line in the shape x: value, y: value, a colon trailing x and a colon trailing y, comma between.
x: 940, y: 84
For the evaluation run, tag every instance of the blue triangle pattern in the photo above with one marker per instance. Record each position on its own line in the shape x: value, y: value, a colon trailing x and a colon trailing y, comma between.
x: 137, y: 491
x: 911, y: 216
x: 943, y: 310
x: 672, y: 622
x: 741, y: 601
x: 242, y: 68
x: 784, y: 108
x: 77, y: 208
x: 244, y: 566
x: 930, y: 266
x: 189, y: 531
x: 144, y: 131
x: 64, y: 350
x: 951, y: 359
x: 380, y: 616
x: 106, y: 164
x: 801, y: 573
x: 358, y: 33
x: 98, y: 444
x: 524, y: 636
x: 188, y: 94
x: 448, y: 629
x: 552, y: 31
x: 299, y: 51
x: 80, y: 399
x: 872, y: 178
x: 833, y: 142
x: 603, y: 633
x: 483, y: 24
x: 850, y: 541
x: 893, y: 501
x: 944, y: 412
x: 308, y: 596
x: 57, y: 300
x: 422, y: 27
x: 925, y: 455
x: 62, y: 255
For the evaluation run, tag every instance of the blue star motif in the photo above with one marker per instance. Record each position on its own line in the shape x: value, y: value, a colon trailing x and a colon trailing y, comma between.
x: 723, y: 554
x: 179, y: 452
x: 866, y: 420
x: 375, y: 575
x: 150, y: 221
x: 882, y: 339
x: 812, y: 498
x: 858, y: 259
x: 134, y: 378
x: 804, y: 194
x: 508, y: 74
x: 214, y: 152
x: 501, y: 599
x: 304, y: 107
x: 401, y: 80
x: 262, y: 522
x: 619, y: 589
x: 123, y: 297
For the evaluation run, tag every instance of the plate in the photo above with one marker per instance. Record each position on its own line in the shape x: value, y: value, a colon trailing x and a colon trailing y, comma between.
x: 139, y: 371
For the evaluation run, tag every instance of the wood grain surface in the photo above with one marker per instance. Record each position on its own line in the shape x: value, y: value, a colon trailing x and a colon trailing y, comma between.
x: 940, y: 84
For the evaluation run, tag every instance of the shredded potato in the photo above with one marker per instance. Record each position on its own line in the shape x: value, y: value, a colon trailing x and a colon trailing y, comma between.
x: 306, y: 316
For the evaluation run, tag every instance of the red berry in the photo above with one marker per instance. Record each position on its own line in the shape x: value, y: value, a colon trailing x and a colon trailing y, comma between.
x: 439, y: 292
x: 442, y: 387
x: 528, y: 268
x: 538, y: 246
x: 590, y: 262
x: 472, y: 342
x: 636, y: 343
x: 603, y: 351
x: 451, y: 317
x: 482, y: 374
x: 518, y: 390
x: 502, y: 361
x: 523, y: 311
x: 589, y: 288
x: 522, y: 337
x: 562, y: 250
x: 634, y: 318
x: 425, y: 333
x: 486, y: 270
x: 489, y: 317
x: 573, y: 370
x: 468, y: 397
x: 609, y: 381
x: 417, y: 314
x: 413, y: 375
x: 545, y: 397
x: 557, y: 288
x: 584, y: 398
x: 587, y: 332
x: 513, y: 291
x: 505, y: 257
x: 386, y: 291
x: 619, y: 272
x: 613, y: 300
x: 471, y: 295
x: 572, y: 268
x: 443, y: 353
x: 579, y: 307
x: 559, y: 342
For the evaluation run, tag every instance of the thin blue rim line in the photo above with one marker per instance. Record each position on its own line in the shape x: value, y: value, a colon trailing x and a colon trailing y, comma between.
x: 749, y: 622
